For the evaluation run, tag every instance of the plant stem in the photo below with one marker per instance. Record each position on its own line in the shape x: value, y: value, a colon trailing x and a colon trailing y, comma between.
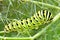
x: 45, y: 4
x: 1, y: 31
x: 16, y: 38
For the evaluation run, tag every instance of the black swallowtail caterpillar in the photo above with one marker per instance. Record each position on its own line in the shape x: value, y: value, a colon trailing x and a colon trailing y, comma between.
x: 39, y: 18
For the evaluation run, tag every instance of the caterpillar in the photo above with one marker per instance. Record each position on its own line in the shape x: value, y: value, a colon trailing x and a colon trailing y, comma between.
x: 39, y: 18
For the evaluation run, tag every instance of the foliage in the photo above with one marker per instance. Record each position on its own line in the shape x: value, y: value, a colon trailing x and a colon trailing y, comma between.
x: 21, y: 9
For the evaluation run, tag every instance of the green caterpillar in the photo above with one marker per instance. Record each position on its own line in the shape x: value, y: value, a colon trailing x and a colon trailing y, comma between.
x: 39, y: 18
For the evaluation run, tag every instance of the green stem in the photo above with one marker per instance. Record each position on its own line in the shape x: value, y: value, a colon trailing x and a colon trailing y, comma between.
x: 45, y: 4
x: 44, y: 29
x: 16, y: 38
x: 1, y: 31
